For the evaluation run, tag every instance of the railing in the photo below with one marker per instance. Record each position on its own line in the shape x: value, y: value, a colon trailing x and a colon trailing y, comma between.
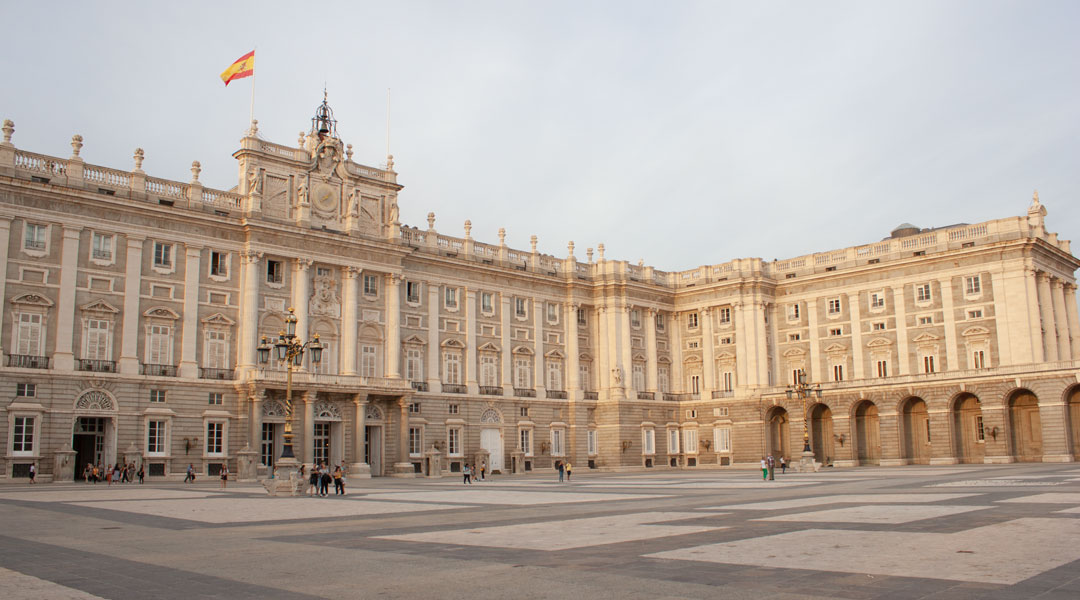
x: 163, y: 187
x: 159, y: 370
x: 454, y: 388
x: 106, y: 176
x: 96, y: 366
x: 590, y: 395
x: 27, y: 361
x: 226, y: 199
x: 524, y: 393
x: 646, y: 396
x: 676, y: 397
x: 723, y: 394
x: 419, y: 386
x: 559, y: 394
x: 280, y: 150
x: 216, y: 374
x: 39, y: 163
x: 491, y: 390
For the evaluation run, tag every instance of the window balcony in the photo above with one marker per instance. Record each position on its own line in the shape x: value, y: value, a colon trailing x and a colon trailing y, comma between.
x: 591, y: 395
x: 722, y: 394
x: 159, y: 370
x: 646, y: 396
x: 419, y: 386
x: 454, y: 388
x: 524, y: 393
x: 491, y: 390
x: 216, y: 374
x: 27, y: 361
x: 679, y: 397
x: 96, y: 366
x: 560, y: 394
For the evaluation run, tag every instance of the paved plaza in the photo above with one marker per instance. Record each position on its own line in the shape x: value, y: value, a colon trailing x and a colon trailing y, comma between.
x: 968, y: 531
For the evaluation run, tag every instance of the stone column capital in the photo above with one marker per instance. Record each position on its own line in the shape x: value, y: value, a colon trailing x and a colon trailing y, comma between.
x: 1042, y: 276
x: 394, y: 279
x: 352, y: 272
x: 360, y: 398
x: 1057, y: 283
x: 302, y: 264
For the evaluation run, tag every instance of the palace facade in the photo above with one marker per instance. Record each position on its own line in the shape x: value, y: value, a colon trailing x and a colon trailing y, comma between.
x: 134, y: 312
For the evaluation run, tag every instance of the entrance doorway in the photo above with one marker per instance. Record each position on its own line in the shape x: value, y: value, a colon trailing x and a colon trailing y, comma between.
x: 373, y: 449
x: 88, y: 441
x: 968, y: 431
x: 1073, y: 407
x: 821, y: 434
x: 1025, y: 426
x: 916, y: 423
x: 777, y: 433
x: 491, y: 441
x: 867, y: 434
x: 271, y: 444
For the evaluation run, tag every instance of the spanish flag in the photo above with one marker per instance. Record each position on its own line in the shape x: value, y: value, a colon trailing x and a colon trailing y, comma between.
x: 243, y: 67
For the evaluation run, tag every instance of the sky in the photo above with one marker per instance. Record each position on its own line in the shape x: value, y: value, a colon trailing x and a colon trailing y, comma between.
x: 682, y: 133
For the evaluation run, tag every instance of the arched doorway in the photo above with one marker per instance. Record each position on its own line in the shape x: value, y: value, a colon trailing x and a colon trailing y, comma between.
x: 373, y: 439
x: 867, y: 434
x: 969, y: 438
x: 821, y: 434
x: 1025, y: 427
x: 491, y: 439
x: 916, y: 438
x: 93, y: 433
x: 1072, y: 405
x: 776, y: 433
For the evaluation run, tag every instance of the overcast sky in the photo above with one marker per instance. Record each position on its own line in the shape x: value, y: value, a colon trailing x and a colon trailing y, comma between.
x: 683, y: 133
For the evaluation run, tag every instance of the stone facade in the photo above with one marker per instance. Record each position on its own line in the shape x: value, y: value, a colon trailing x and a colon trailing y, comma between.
x: 135, y: 308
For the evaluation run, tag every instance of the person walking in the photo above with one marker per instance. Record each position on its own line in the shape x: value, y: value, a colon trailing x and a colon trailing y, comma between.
x: 467, y: 472
x: 313, y: 481
x: 94, y: 473
x: 339, y: 486
x: 190, y: 477
x: 142, y: 474
x: 87, y: 471
x: 562, y: 471
x: 33, y: 473
x: 483, y: 469
x: 568, y: 467
x: 783, y: 466
x: 764, y: 469
x: 224, y: 475
x: 324, y: 481
x: 772, y: 467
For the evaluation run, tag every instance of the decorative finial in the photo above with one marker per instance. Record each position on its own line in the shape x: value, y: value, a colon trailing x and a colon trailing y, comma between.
x: 300, y: 140
x: 348, y: 151
x: 570, y: 248
x: 196, y: 168
x: 139, y: 155
x: 254, y: 128
x: 532, y: 242
x: 76, y: 145
x: 502, y: 236
x: 600, y: 251
x: 390, y: 162
x: 1035, y: 198
x: 641, y: 262
x: 9, y: 128
x: 588, y: 254
x: 468, y: 229
x: 431, y: 220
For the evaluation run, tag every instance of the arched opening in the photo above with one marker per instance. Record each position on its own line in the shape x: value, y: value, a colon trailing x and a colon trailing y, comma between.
x: 867, y: 434
x: 1072, y: 405
x: 969, y: 437
x: 1025, y: 427
x: 776, y: 434
x: 821, y: 434
x: 916, y: 425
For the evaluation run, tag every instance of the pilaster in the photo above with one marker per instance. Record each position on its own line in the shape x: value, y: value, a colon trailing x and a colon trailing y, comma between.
x: 349, y: 319
x: 129, y: 344
x: 470, y: 342
x: 300, y: 299
x: 507, y: 357
x: 900, y: 308
x: 651, y: 369
x: 855, y: 308
x: 1070, y: 309
x: 5, y: 235
x: 812, y: 337
x: 1061, y: 320
x: 1046, y: 309
x: 952, y: 357
x: 189, y: 366
x: 393, y: 326
x: 708, y: 353
x: 63, y: 357
x: 250, y: 274
x: 434, y: 383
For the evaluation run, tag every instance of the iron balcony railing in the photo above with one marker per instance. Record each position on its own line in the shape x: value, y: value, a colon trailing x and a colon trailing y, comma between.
x: 96, y: 366
x: 159, y: 370
x: 28, y: 361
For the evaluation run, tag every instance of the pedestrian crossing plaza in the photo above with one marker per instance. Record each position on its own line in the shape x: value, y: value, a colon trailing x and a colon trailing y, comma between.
x: 960, y: 531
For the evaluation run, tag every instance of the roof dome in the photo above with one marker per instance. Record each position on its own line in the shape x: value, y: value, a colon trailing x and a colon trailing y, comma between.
x: 903, y: 230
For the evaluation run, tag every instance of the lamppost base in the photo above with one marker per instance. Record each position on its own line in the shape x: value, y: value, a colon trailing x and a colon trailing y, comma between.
x: 807, y: 464
x: 287, y: 480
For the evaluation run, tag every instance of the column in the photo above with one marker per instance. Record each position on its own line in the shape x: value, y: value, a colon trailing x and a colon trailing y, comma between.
x: 256, y: 425
x: 189, y: 365
x: 1003, y: 324
x: 250, y: 273
x: 708, y: 354
x: 676, y: 333
x: 573, y: 352
x: 301, y: 297
x: 627, y: 352
x: 1073, y: 318
x: 599, y: 345
x: 470, y: 342
x: 952, y: 356
x: 309, y: 427
x: 393, y: 326
x: 761, y: 346
x: 63, y: 357
x: 651, y: 369
x: 349, y: 319
x: 812, y: 337
x: 1061, y: 320
x: 611, y: 323
x: 538, y: 345
x: 129, y: 344
x: 507, y: 351
x: 1046, y: 308
x: 1038, y: 354
x: 5, y: 234
x: 434, y: 383
x: 855, y: 307
x: 904, y: 366
x: 359, y: 463
x: 403, y: 466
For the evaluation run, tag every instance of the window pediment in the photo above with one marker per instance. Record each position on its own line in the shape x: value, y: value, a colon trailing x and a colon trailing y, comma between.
x: 99, y: 306
x: 524, y: 350
x: 879, y: 343
x: 795, y: 352
x: 488, y: 347
x: 32, y: 300
x: 414, y: 340
x: 452, y: 343
x: 926, y: 338
x: 161, y: 312
x: 554, y: 354
x: 975, y: 331
x: 219, y: 320
x: 639, y: 358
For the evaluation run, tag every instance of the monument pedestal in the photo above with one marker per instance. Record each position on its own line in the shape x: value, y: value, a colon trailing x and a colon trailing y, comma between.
x: 807, y: 464
x: 287, y: 481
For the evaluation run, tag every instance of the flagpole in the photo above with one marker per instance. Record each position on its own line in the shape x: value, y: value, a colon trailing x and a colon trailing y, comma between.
x: 388, y: 123
x: 251, y: 116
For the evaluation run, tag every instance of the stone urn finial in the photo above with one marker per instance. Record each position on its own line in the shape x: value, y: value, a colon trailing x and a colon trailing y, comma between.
x: 468, y: 229
x: 570, y: 249
x: 641, y: 262
x: 431, y: 220
x: 588, y: 254
x: 254, y: 130
x: 502, y: 236
x: 196, y: 168
x: 390, y: 162
x: 9, y: 129
x: 300, y: 141
x: 532, y: 243
x: 348, y: 151
x: 600, y: 251
x: 139, y: 156
x: 76, y: 145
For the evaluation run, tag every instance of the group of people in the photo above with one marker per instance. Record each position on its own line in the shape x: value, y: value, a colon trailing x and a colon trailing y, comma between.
x: 768, y: 465
x: 320, y: 478
x: 117, y: 473
x: 471, y: 473
x: 190, y: 476
x: 564, y: 468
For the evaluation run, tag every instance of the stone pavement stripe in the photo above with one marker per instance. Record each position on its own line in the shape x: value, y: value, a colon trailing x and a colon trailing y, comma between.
x: 27, y: 587
x: 1051, y: 498
x: 119, y: 579
x: 877, y: 513
x: 843, y: 499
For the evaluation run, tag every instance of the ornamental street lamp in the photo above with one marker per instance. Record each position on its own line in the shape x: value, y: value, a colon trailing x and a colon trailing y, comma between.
x: 289, y: 351
x: 802, y: 391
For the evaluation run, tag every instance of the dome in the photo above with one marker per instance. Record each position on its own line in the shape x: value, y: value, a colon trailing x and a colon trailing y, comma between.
x: 903, y: 230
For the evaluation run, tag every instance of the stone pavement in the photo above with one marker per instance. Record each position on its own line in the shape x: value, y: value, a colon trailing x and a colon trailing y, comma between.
x: 1006, y: 531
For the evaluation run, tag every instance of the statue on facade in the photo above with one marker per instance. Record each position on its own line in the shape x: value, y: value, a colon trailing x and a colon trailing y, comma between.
x: 616, y: 374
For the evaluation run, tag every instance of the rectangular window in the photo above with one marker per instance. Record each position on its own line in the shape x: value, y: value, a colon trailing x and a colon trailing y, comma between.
x: 157, y: 395
x: 453, y: 441
x: 838, y: 372
x: 695, y: 384
x: 28, y: 334
x: 215, y: 438
x: 519, y: 307
x: 834, y: 306
x: 101, y: 246
x: 648, y: 441
x: 673, y: 441
x: 553, y: 313
x: 489, y: 370
x: 585, y: 375
x: 882, y: 368
x: 523, y: 411
x: 452, y: 409
x: 414, y: 364
x: 728, y: 381
x: 163, y: 255
x: 371, y: 285
x: 219, y: 263
x: 452, y: 368
x: 321, y: 439
x: 159, y: 345
x: 922, y: 293
x: 523, y: 373
x: 979, y: 360
x: 726, y: 341
x: 23, y: 435
x: 554, y: 375
x: 97, y: 340
x: 266, y: 449
x: 274, y: 272
x: 487, y: 302
x: 794, y: 337
x: 215, y: 398
x: 878, y: 326
x: 663, y: 379
x: 972, y: 285
x: 155, y: 437
x: 525, y: 437
x: 975, y: 314
x: 416, y: 441
x: 450, y: 296
x: 725, y: 315
x: 690, y: 439
x: 926, y: 320
x: 25, y: 390
x: 722, y: 439
x: 35, y: 237
x: 877, y: 300
x: 793, y: 314
x: 414, y: 408
x: 980, y: 432
x: 660, y: 321
x: 835, y: 331
x: 216, y: 353
x: 581, y: 317
x: 557, y: 442
x: 635, y: 318
x: 638, y: 376
x: 928, y: 364
x: 591, y: 442
x: 412, y: 291
x: 691, y: 320
x: 368, y: 360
